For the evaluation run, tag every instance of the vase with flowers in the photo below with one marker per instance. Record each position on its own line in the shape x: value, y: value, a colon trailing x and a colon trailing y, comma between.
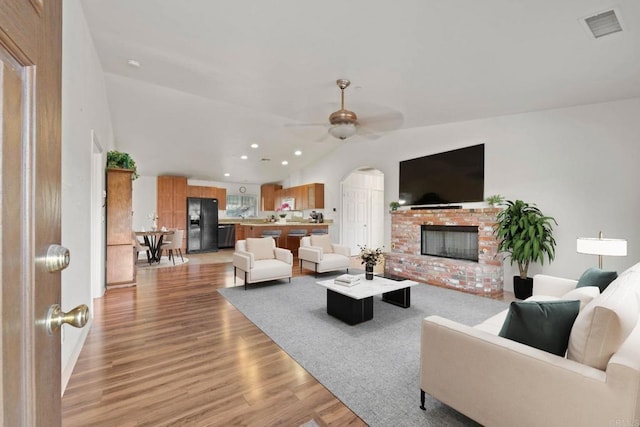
x: 153, y: 217
x: 281, y: 211
x: 370, y: 258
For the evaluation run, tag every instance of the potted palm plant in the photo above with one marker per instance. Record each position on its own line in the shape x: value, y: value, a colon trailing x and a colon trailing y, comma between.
x: 526, y: 235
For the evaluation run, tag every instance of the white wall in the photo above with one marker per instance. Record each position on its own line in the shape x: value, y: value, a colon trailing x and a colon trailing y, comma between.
x: 578, y: 165
x: 144, y: 201
x: 84, y: 108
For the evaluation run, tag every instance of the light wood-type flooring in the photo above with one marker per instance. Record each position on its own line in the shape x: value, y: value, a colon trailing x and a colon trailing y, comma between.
x: 172, y: 351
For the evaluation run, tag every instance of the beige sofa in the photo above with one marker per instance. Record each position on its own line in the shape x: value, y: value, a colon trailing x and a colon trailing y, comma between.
x: 261, y: 260
x: 500, y: 382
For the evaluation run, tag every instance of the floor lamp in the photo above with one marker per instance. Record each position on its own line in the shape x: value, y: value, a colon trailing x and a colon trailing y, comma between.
x: 601, y: 246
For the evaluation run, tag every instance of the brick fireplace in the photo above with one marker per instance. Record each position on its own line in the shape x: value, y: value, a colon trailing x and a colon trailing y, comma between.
x: 483, y: 277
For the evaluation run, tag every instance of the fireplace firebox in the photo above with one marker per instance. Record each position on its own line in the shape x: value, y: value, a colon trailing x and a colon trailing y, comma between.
x: 448, y: 241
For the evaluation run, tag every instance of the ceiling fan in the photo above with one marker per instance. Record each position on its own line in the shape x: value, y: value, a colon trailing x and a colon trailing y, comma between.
x: 345, y: 123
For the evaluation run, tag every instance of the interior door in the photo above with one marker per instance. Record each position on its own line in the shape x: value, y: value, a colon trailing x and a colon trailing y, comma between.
x: 30, y: 92
x: 355, y: 208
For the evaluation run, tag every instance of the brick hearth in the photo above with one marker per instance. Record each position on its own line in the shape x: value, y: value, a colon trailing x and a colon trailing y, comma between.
x: 484, y: 277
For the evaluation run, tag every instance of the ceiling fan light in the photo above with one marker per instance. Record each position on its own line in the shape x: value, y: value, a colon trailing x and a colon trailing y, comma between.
x: 342, y: 130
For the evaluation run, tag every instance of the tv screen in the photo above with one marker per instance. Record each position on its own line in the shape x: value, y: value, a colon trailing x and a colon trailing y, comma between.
x: 451, y: 177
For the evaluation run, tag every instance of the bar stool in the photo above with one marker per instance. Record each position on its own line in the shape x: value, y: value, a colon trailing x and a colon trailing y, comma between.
x: 275, y: 234
x: 319, y: 231
x: 293, y: 239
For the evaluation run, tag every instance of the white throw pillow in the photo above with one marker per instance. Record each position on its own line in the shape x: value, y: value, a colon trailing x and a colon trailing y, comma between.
x: 605, y: 323
x: 261, y: 247
x: 585, y: 295
x: 323, y: 241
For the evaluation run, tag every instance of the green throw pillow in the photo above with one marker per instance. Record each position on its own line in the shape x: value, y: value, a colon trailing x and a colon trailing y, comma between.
x: 545, y: 325
x: 595, y: 277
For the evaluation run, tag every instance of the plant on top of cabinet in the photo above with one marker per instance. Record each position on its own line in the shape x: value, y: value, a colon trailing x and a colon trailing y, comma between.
x: 118, y: 159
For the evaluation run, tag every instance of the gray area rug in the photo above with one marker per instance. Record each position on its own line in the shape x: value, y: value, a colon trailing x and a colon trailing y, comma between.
x: 372, y: 367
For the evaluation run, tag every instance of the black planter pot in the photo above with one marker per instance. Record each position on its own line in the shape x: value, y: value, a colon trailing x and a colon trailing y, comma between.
x: 522, y: 288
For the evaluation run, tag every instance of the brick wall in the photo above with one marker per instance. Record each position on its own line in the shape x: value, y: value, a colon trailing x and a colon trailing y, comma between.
x: 483, y: 277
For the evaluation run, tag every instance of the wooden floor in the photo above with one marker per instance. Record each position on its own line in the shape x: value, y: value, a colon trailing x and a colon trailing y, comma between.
x: 172, y: 351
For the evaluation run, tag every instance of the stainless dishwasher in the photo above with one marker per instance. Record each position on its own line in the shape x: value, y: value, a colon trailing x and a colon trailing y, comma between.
x: 226, y: 235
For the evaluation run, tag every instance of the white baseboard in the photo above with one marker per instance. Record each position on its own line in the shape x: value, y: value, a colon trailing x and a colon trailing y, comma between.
x: 68, y: 370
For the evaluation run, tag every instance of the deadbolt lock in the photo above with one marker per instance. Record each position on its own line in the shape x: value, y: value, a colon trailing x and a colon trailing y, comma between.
x: 56, y: 317
x: 57, y: 258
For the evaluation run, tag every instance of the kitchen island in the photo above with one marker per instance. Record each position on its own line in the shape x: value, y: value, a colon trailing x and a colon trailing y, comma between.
x: 290, y: 232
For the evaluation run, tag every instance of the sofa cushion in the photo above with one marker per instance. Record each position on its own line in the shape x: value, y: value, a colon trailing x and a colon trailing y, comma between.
x: 585, y: 295
x: 323, y: 241
x: 604, y: 324
x: 260, y: 247
x: 595, y: 277
x: 545, y: 325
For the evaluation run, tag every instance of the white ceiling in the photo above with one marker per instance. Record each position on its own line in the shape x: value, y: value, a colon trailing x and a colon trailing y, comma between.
x: 216, y: 76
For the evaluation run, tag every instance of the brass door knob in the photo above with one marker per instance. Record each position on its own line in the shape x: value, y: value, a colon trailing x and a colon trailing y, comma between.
x: 56, y: 317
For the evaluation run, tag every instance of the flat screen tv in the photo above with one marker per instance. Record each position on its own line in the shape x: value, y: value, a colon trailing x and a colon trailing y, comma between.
x: 454, y: 176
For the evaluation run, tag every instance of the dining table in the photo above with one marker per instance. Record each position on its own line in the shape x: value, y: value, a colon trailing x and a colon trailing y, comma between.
x: 153, y: 239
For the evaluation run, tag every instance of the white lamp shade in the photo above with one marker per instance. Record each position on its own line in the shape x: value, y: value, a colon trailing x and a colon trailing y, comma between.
x: 599, y: 246
x: 342, y: 130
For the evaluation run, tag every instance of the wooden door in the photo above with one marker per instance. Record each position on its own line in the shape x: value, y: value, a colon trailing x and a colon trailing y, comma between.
x: 30, y: 92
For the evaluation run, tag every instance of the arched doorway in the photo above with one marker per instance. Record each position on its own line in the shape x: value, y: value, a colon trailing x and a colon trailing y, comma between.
x: 362, y: 221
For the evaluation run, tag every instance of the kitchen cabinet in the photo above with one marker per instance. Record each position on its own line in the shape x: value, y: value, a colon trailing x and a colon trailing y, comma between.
x: 268, y: 197
x: 221, y: 195
x: 172, y: 203
x: 309, y: 196
x: 315, y: 196
x: 207, y: 192
x: 121, y: 268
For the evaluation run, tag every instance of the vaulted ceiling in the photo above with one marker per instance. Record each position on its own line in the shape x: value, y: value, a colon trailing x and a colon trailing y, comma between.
x: 216, y: 76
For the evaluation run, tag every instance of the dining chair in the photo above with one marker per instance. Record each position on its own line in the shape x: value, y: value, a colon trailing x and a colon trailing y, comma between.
x: 174, y: 245
x: 141, y: 247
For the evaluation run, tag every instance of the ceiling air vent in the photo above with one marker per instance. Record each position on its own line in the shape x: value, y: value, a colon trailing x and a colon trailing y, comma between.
x: 604, y: 23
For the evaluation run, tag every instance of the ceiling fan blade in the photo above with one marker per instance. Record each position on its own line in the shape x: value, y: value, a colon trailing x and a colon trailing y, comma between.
x: 367, y: 133
x: 296, y: 125
x: 383, y: 122
x: 323, y: 138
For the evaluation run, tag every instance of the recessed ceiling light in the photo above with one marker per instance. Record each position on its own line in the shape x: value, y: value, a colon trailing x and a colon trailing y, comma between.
x: 298, y: 153
x: 227, y: 174
x: 243, y: 157
x: 134, y: 63
x: 285, y: 163
x: 254, y: 145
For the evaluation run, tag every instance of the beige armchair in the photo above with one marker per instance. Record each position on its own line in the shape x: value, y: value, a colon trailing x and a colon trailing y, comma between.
x: 317, y: 253
x: 261, y: 260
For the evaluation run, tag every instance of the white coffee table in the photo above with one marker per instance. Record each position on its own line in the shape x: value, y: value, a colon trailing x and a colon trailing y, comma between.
x: 354, y: 304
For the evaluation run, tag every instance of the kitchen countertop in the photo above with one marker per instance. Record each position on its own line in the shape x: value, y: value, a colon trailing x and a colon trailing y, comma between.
x: 262, y: 223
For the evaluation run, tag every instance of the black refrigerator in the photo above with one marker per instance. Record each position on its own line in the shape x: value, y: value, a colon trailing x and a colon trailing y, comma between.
x: 202, y: 224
